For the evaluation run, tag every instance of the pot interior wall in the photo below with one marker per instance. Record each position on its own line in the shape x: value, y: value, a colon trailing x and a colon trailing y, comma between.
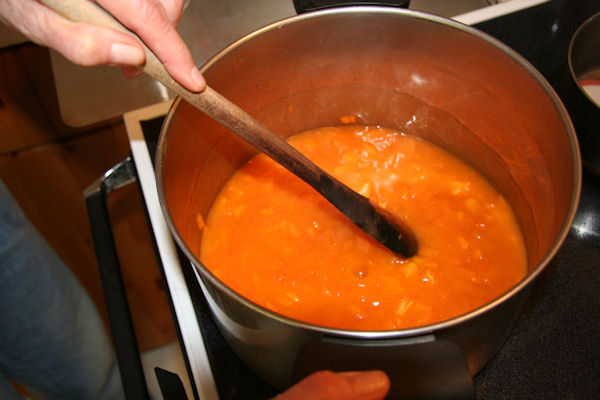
x: 393, y: 69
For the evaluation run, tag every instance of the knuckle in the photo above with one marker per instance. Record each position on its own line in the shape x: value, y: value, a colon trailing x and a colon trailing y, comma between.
x: 85, y: 48
x: 153, y: 14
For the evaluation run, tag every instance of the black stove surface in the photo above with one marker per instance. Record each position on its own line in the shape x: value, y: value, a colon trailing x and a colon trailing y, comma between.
x: 554, y: 349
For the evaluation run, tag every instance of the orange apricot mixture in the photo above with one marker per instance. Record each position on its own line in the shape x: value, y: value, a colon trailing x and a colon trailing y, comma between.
x: 276, y: 241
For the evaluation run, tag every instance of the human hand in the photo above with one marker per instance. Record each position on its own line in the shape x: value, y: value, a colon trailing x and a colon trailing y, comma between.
x: 154, y: 21
x: 327, y: 385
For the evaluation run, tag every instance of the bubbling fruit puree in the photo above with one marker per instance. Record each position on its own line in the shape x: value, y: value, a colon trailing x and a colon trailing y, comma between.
x: 276, y: 241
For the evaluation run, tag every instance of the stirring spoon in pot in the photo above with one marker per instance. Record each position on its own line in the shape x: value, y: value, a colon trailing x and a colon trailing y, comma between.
x: 374, y: 220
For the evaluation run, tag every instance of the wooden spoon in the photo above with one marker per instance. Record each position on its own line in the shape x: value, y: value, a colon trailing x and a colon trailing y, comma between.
x: 374, y: 220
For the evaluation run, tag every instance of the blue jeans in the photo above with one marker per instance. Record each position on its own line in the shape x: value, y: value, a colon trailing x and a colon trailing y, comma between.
x: 52, y: 340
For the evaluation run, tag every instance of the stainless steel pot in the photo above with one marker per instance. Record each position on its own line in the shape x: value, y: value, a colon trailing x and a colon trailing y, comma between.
x: 428, y: 76
x: 584, y: 63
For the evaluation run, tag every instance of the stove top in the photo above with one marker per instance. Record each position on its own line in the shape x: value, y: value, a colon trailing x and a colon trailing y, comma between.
x: 554, y: 349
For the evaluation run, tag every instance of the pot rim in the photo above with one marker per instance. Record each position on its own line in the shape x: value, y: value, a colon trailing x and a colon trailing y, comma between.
x: 594, y: 19
x: 420, y: 330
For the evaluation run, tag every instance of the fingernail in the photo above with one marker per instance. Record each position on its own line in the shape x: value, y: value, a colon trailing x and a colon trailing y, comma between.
x: 198, y: 79
x: 131, y: 72
x: 369, y: 384
x: 124, y: 54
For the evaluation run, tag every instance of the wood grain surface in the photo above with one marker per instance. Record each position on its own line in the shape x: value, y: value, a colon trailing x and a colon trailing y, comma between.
x: 47, y: 165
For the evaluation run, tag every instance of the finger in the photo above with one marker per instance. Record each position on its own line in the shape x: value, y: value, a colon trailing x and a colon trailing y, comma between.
x: 149, y: 19
x: 131, y: 72
x: 80, y: 43
x: 93, y: 45
x: 327, y: 385
x: 368, y: 385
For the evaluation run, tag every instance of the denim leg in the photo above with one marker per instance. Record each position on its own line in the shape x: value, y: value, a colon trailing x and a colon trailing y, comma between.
x: 52, y: 339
